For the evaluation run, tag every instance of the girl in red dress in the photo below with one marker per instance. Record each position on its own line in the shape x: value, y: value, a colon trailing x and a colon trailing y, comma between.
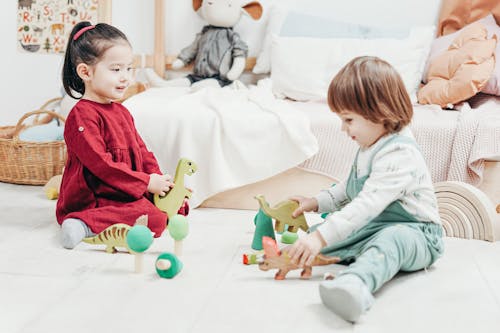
x: 110, y: 175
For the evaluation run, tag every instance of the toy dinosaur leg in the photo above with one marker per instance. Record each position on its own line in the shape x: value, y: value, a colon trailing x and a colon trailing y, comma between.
x: 279, y: 227
x: 281, y: 274
x: 306, y: 273
x: 111, y: 249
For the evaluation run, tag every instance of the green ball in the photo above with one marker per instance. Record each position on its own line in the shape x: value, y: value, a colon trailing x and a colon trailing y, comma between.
x: 178, y: 227
x: 175, y: 265
x: 139, y: 238
x: 289, y: 237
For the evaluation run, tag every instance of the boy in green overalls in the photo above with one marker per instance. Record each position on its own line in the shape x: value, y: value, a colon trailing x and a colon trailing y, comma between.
x: 384, y: 218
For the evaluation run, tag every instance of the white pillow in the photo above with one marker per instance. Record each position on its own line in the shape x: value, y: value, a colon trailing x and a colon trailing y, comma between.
x: 356, y: 15
x: 290, y: 23
x: 277, y: 16
x: 304, y: 67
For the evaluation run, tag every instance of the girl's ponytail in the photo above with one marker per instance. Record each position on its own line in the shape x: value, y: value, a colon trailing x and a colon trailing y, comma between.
x: 71, y: 81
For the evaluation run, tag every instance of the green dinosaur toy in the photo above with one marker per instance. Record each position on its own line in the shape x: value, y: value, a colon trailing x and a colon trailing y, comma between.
x: 115, y: 235
x: 172, y: 201
x: 282, y: 213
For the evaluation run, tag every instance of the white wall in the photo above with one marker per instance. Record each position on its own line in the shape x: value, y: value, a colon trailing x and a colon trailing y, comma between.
x: 28, y: 80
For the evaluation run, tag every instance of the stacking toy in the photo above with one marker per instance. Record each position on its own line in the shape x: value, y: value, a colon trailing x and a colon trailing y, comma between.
x: 168, y: 265
x: 288, y: 237
x: 139, y: 239
x: 178, y: 228
x: 263, y: 227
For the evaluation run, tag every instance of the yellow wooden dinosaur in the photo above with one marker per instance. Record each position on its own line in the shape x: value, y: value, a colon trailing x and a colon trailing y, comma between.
x: 275, y: 259
x: 282, y: 213
x: 115, y: 235
x: 172, y: 201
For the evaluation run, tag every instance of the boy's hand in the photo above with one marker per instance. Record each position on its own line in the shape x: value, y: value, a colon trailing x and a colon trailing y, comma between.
x: 305, y: 249
x: 305, y: 205
x: 159, y: 184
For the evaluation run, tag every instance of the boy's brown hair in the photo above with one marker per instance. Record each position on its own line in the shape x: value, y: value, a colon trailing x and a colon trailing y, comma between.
x: 372, y: 88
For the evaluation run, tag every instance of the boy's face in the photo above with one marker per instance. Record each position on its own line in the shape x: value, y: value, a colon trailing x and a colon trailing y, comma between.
x: 111, y: 75
x: 360, y: 129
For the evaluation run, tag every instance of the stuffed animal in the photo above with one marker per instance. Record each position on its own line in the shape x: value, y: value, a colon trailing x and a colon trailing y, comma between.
x: 218, y: 53
x: 53, y: 187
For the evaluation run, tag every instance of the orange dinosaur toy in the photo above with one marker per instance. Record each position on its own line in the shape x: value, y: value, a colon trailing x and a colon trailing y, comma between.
x: 275, y: 259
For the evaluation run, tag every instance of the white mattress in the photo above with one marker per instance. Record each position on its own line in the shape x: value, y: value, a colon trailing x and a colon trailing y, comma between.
x: 455, y: 144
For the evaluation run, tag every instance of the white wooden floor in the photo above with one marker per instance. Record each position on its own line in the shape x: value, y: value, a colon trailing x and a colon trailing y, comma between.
x: 45, y: 288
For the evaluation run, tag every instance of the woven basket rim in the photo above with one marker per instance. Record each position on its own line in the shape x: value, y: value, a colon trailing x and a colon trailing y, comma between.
x: 34, y: 163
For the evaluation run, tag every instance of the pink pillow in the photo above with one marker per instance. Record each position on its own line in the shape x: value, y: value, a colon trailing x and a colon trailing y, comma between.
x: 441, y: 44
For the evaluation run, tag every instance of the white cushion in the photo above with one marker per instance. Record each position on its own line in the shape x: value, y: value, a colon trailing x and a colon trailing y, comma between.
x: 325, y: 18
x: 304, y: 67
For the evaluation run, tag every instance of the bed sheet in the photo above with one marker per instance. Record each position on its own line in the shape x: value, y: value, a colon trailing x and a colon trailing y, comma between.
x: 487, y: 143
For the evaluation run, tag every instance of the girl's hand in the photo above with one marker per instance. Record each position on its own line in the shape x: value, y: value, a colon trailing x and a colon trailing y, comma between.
x: 305, y: 249
x: 159, y: 184
x: 305, y: 205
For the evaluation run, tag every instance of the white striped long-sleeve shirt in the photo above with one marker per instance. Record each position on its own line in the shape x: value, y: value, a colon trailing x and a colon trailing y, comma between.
x: 399, y: 173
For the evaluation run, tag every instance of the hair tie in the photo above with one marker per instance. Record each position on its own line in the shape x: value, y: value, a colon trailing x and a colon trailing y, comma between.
x: 82, y: 30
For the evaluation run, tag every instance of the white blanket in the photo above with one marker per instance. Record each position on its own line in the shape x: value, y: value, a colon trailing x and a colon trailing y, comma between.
x: 236, y: 137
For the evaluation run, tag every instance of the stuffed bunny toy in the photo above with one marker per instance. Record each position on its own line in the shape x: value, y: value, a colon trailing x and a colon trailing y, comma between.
x: 218, y: 53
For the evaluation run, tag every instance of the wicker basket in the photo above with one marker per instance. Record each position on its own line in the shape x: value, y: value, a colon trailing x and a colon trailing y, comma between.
x: 32, y: 163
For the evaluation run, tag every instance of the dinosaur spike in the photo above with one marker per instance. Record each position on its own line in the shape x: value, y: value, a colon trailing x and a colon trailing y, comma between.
x: 270, y: 247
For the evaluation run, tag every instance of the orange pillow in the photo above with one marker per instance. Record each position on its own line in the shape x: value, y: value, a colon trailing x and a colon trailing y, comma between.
x: 456, y: 14
x: 461, y: 71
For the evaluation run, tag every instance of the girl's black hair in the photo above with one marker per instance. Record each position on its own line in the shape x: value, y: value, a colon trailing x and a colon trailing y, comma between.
x: 88, y: 49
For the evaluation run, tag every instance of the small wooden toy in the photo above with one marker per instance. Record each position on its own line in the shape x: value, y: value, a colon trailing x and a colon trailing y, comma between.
x: 172, y: 201
x: 178, y: 228
x: 263, y: 227
x: 139, y: 239
x: 115, y: 235
x: 52, y: 187
x: 288, y: 237
x: 275, y: 259
x: 252, y: 258
x: 282, y: 213
x: 168, y: 265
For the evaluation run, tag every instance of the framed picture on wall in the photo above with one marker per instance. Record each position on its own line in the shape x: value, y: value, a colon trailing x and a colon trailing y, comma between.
x: 43, y: 26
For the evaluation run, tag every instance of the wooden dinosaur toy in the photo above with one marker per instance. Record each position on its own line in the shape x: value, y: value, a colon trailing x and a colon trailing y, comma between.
x: 275, y: 259
x: 115, y: 235
x: 172, y: 201
x: 282, y: 213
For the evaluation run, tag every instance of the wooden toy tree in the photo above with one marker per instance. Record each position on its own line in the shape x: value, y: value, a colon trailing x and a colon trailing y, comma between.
x: 178, y: 228
x: 168, y: 265
x: 139, y: 239
x: 263, y: 227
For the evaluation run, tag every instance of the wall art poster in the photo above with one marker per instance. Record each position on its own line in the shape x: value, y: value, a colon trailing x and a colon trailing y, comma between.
x: 44, y: 25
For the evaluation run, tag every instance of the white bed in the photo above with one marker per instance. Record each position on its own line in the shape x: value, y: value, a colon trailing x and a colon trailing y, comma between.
x: 456, y: 145
x: 461, y: 145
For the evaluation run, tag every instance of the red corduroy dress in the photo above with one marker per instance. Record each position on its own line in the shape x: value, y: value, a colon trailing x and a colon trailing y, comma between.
x: 107, y: 172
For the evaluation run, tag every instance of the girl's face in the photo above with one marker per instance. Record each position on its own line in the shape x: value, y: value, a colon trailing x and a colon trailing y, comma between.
x: 360, y: 129
x: 108, y: 79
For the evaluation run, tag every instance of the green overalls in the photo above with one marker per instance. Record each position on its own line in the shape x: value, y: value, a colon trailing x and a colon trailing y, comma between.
x: 393, y: 241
